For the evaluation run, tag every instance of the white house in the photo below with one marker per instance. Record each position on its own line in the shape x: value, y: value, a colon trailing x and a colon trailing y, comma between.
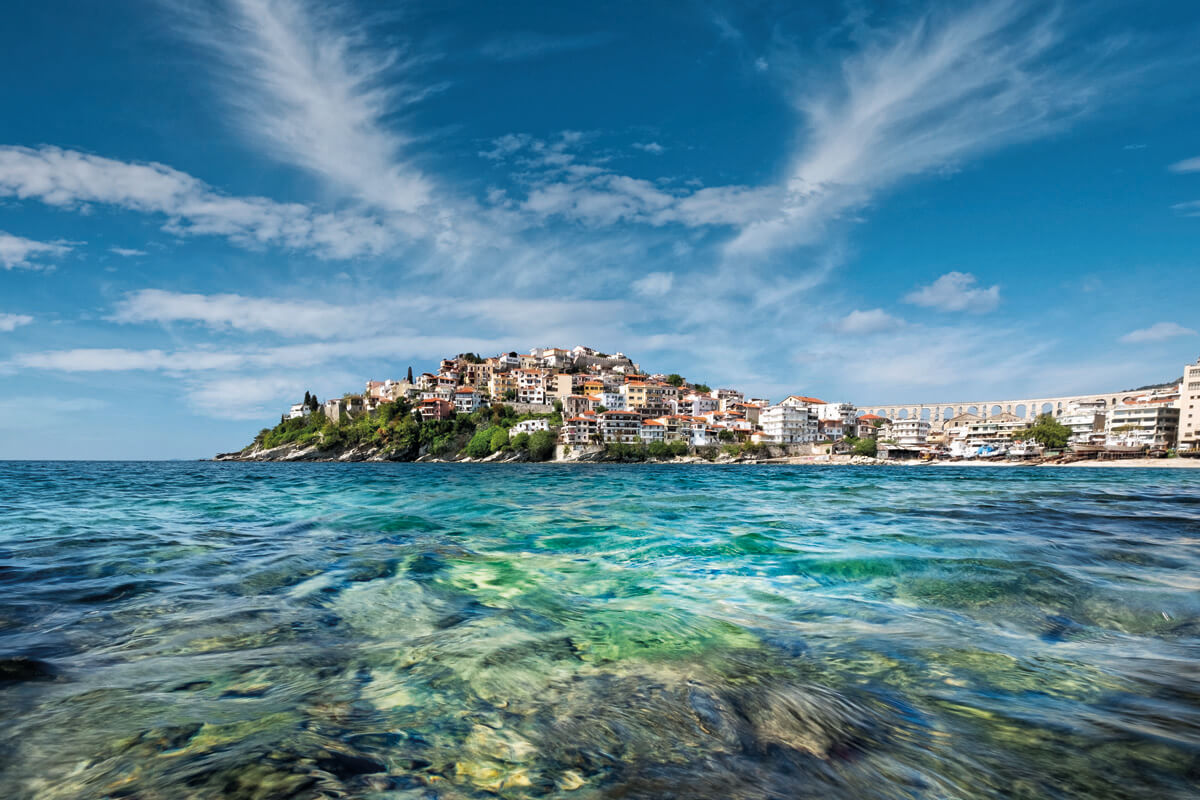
x: 298, y: 410
x: 467, y: 400
x: 531, y: 426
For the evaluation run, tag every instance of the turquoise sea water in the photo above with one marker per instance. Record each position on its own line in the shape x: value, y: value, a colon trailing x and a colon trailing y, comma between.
x: 269, y: 631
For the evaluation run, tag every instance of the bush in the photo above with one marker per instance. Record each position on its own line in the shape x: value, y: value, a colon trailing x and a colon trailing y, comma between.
x: 499, y: 439
x: 541, y: 445
x: 865, y: 447
x: 480, y: 444
x: 520, y: 441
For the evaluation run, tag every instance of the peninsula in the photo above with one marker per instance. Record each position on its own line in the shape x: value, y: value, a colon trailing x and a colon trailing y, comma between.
x: 586, y: 405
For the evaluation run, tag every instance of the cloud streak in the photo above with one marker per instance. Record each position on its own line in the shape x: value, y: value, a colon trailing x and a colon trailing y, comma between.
x: 17, y: 252
x: 1158, y: 332
x: 528, y: 45
x: 72, y: 180
x: 10, y: 322
x: 310, y: 93
x: 921, y: 98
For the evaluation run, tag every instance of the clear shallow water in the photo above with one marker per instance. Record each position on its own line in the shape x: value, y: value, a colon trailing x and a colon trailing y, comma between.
x: 417, y: 631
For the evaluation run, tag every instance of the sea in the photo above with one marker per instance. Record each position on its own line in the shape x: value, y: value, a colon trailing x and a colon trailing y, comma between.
x: 271, y: 631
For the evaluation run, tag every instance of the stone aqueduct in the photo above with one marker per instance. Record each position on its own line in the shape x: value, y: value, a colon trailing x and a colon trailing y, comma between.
x: 938, y: 413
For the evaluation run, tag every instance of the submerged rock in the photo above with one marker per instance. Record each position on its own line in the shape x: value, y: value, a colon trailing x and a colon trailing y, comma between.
x: 19, y: 669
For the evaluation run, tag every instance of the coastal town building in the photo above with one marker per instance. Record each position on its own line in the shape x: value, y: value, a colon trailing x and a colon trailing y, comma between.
x: 580, y: 430
x: 467, y: 400
x: 623, y: 427
x: 789, y: 424
x: 653, y: 430
x: 298, y: 410
x: 1144, y: 422
x: 842, y: 412
x: 910, y: 432
x: 1086, y: 419
x: 1189, y: 408
x: 435, y: 408
x: 531, y: 426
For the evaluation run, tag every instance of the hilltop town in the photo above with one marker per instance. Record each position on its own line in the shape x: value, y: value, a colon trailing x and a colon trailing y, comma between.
x: 584, y: 404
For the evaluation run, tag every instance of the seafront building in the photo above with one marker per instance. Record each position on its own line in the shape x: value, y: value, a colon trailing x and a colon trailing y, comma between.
x: 1189, y: 408
x: 599, y: 398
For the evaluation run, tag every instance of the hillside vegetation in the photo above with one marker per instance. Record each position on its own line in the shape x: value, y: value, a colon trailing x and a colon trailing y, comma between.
x: 395, y: 431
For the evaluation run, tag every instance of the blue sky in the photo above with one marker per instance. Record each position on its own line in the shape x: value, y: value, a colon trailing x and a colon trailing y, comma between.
x: 207, y: 208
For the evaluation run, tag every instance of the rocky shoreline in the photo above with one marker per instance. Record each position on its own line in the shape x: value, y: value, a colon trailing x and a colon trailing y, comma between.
x: 294, y: 453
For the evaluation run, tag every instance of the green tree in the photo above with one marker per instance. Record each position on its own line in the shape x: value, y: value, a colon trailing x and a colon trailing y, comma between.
x: 541, y: 445
x: 865, y: 447
x: 702, y: 388
x: 499, y: 439
x: 521, y: 441
x: 675, y: 379
x: 1048, y: 432
x: 481, y: 443
x: 510, y: 395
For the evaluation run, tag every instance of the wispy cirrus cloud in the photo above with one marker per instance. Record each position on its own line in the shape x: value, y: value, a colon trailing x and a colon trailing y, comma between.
x: 310, y: 92
x: 1186, y: 165
x: 1157, y: 332
x: 10, y: 322
x: 526, y: 45
x: 923, y: 96
x: 17, y: 252
x: 126, y: 252
x: 74, y: 180
x: 955, y: 291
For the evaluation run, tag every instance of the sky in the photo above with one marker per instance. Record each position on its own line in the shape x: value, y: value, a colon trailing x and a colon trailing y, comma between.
x: 209, y: 207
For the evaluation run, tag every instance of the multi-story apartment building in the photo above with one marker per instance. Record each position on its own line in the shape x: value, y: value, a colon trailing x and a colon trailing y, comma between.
x: 726, y: 398
x: 467, y: 400
x: 910, y: 432
x: 788, y: 424
x: 699, y: 405
x: 1189, y: 408
x: 620, y: 426
x: 653, y: 430
x: 842, y: 412
x: 1147, y: 422
x: 500, y: 384
x: 580, y: 430
x: 1086, y: 421
x: 612, y: 401
x: 647, y: 398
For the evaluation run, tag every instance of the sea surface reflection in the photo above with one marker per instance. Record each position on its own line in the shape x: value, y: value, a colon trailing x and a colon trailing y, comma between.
x: 267, y: 631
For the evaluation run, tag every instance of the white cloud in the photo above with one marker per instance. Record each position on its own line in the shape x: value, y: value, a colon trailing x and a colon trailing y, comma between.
x: 237, y: 312
x: 528, y: 45
x: 1188, y: 209
x: 70, y: 179
x: 10, y: 322
x: 650, y: 147
x: 955, y: 291
x: 126, y: 252
x: 17, y: 252
x: 760, y: 64
x: 923, y: 98
x: 874, y: 320
x: 305, y: 85
x: 1187, y: 165
x: 1158, y: 332
x: 654, y: 284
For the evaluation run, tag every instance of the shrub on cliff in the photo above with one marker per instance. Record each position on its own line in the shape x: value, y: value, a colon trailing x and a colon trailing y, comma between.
x: 541, y: 445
